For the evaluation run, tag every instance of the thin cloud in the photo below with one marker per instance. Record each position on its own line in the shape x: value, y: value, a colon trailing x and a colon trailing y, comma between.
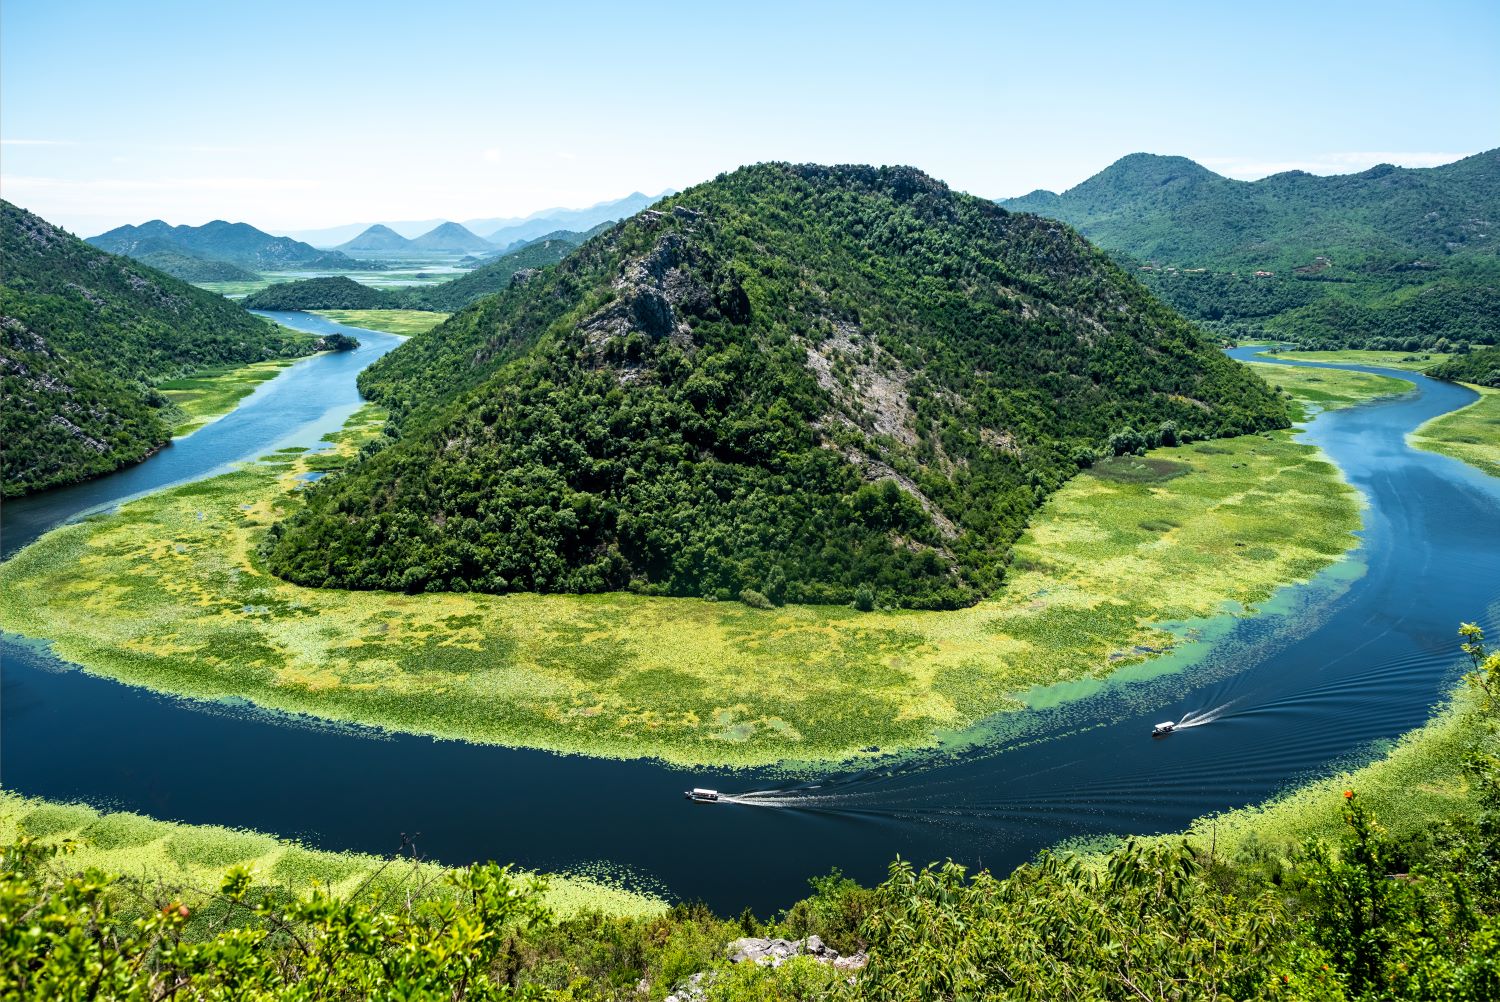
x: 37, y: 142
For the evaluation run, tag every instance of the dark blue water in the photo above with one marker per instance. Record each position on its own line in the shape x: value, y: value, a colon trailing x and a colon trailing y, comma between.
x: 1340, y: 663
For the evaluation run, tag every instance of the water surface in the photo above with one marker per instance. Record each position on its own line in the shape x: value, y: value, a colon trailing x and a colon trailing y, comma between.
x: 1357, y: 656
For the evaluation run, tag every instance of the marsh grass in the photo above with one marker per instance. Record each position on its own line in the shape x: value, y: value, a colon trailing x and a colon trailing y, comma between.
x: 168, y: 593
x: 209, y: 394
x: 1470, y: 434
x: 1411, y: 361
x: 1329, y: 389
x: 182, y: 855
x: 391, y: 321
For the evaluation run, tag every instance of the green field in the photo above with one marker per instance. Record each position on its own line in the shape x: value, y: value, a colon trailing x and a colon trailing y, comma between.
x: 1329, y: 389
x: 1471, y: 434
x: 189, y: 856
x: 1411, y: 361
x: 405, y: 322
x: 209, y: 394
x: 167, y: 593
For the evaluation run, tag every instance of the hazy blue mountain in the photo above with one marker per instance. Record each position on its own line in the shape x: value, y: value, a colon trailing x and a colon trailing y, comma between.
x: 449, y: 237
x: 376, y: 238
x: 509, y: 236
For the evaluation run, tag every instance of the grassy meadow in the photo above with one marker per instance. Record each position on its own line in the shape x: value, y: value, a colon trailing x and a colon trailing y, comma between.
x: 167, y: 593
x: 1329, y: 389
x: 406, y: 322
x: 1471, y: 434
x: 1410, y: 361
x: 180, y: 855
x: 209, y: 394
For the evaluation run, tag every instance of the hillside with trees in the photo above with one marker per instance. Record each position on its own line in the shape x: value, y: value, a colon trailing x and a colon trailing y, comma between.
x: 85, y: 336
x: 810, y: 383
x: 1391, y: 257
x: 338, y: 292
x: 1481, y: 366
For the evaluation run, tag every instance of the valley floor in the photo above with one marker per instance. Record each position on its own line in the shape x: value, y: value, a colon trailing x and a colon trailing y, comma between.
x: 167, y: 594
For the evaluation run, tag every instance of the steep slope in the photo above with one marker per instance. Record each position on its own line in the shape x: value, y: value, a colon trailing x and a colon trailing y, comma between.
x: 85, y: 333
x: 449, y: 237
x: 377, y: 238
x: 336, y: 293
x: 1387, y: 258
x: 806, y: 380
x: 237, y: 243
x: 191, y: 268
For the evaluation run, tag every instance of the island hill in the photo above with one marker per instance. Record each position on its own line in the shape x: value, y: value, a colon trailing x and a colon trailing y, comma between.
x: 1389, y: 258
x: 88, y: 337
x: 793, y: 383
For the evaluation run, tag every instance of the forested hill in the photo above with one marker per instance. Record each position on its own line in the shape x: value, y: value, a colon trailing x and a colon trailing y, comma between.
x: 85, y: 334
x: 1391, y: 257
x: 817, y: 383
x: 237, y: 243
x: 1175, y: 212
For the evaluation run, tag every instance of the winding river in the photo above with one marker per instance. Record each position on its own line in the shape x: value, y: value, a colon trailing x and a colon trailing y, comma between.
x: 1328, y: 669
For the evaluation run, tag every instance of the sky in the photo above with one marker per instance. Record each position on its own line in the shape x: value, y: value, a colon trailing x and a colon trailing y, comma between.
x: 302, y: 115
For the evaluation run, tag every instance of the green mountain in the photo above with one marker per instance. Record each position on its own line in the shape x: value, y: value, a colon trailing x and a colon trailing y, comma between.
x: 83, y: 335
x: 1480, y: 366
x: 238, y: 243
x: 195, y: 269
x: 821, y: 383
x: 337, y: 293
x: 1348, y: 260
x: 377, y: 238
x: 449, y: 237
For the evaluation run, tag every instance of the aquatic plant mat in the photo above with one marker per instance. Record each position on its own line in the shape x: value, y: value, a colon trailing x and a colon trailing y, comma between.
x: 391, y: 321
x: 167, y: 593
x: 209, y: 394
x: 183, y: 855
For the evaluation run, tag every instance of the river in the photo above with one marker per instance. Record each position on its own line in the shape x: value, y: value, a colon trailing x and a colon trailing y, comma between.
x: 1330, y: 668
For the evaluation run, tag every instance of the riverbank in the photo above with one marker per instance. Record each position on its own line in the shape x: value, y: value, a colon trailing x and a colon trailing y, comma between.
x: 167, y: 594
x: 1410, y: 361
x: 1328, y: 389
x: 1471, y: 434
x: 196, y: 856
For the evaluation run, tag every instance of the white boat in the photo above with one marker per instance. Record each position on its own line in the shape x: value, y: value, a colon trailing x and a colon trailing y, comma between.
x: 1162, y: 729
x: 702, y: 796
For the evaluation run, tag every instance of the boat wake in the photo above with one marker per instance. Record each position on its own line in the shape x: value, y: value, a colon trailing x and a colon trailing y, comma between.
x: 1195, y: 719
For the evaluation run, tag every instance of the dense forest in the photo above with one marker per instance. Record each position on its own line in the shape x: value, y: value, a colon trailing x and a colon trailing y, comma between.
x: 1481, y: 366
x: 1389, y: 258
x: 85, y: 335
x: 191, y: 268
x: 793, y: 383
x: 1365, y: 916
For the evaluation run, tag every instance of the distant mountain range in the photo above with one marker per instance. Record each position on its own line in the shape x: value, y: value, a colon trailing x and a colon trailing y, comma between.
x: 500, y: 233
x: 1392, y: 257
x: 236, y: 243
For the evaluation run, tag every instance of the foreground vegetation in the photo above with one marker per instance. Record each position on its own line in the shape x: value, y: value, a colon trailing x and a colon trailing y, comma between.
x: 169, y: 593
x: 1358, y: 913
x: 1471, y: 434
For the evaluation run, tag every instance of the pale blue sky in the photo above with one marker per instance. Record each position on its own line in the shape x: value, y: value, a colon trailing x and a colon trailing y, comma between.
x: 298, y: 115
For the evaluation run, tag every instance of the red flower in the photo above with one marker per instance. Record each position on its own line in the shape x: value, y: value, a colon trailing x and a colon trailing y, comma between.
x: 1348, y: 794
